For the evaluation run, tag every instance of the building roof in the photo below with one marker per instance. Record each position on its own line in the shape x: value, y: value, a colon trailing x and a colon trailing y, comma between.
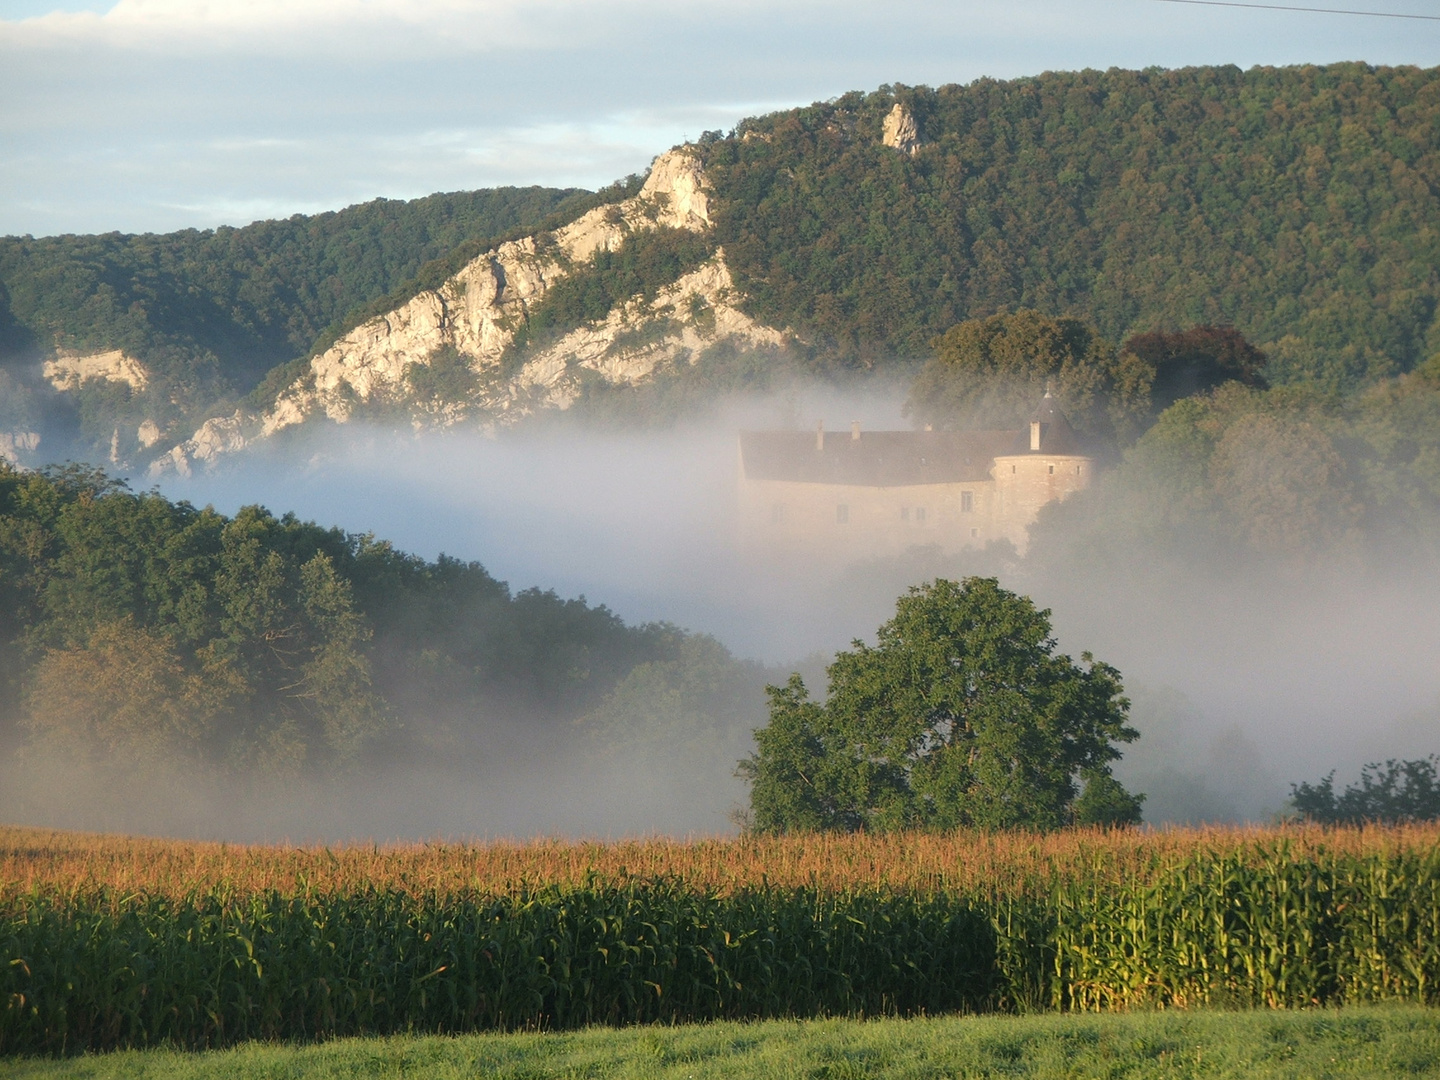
x: 1056, y: 434
x: 900, y: 458
x: 876, y: 458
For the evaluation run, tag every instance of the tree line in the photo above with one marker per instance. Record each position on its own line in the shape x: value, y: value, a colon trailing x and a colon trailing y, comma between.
x: 1206, y: 455
x: 134, y: 628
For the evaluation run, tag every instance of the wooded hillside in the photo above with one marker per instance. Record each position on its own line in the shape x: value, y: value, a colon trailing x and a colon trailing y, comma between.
x: 211, y: 312
x: 1299, y: 204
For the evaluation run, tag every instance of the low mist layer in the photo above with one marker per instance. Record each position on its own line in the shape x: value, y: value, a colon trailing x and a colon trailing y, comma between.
x: 1247, y: 674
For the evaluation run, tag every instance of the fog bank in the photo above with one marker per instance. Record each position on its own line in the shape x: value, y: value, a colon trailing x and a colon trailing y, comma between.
x: 1242, y: 682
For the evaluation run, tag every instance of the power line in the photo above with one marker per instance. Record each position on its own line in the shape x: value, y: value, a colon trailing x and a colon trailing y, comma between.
x: 1288, y: 7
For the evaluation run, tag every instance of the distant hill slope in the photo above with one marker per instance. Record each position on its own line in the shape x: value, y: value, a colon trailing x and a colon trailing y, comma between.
x: 1299, y: 204
x: 209, y: 313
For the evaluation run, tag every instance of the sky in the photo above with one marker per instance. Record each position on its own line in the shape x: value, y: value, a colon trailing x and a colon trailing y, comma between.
x: 152, y: 115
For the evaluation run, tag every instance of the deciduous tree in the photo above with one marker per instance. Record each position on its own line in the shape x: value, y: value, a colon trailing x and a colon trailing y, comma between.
x: 962, y: 714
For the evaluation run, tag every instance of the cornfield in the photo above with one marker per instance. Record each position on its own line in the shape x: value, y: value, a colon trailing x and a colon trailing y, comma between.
x: 111, y: 942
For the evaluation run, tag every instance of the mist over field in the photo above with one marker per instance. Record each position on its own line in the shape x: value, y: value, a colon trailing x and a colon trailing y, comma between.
x: 1243, y: 679
x: 1256, y: 556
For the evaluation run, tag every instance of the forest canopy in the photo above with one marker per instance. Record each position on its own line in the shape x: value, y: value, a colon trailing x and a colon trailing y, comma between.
x: 1297, y: 204
x: 134, y: 629
x: 1286, y: 473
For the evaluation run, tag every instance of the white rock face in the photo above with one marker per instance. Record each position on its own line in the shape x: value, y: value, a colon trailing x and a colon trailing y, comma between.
x: 148, y: 434
x: 15, y: 443
x: 67, y: 371
x: 478, y: 311
x: 901, y: 131
x: 221, y: 435
x: 683, y: 320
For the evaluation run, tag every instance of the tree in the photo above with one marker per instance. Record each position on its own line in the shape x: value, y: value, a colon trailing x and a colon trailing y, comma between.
x: 123, y: 696
x: 1398, y: 791
x: 1193, y: 361
x: 962, y: 714
x: 1283, y: 483
x: 988, y: 373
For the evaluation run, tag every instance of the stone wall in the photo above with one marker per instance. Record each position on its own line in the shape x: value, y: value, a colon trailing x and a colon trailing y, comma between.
x: 844, y: 522
x: 848, y: 521
x: 1026, y: 482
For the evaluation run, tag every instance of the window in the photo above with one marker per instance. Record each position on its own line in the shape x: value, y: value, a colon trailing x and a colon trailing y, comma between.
x: 974, y: 533
x: 1052, y: 469
x: 777, y: 513
x: 904, y: 513
x: 919, y: 513
x: 967, y: 502
x: 1077, y: 470
x: 1012, y: 469
x: 842, y: 514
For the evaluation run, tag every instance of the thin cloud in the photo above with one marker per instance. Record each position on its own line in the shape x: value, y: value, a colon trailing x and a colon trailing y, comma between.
x: 159, y: 114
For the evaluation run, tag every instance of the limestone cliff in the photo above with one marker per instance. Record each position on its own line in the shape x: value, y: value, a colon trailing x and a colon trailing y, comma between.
x: 689, y: 316
x: 478, y: 311
x: 16, y: 445
x: 68, y: 370
x: 901, y: 131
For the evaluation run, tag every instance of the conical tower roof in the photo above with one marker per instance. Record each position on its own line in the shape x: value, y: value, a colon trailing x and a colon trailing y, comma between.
x: 1056, y: 436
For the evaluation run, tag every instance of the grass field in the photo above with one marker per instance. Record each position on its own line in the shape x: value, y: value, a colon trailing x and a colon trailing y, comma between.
x: 1400, y: 1041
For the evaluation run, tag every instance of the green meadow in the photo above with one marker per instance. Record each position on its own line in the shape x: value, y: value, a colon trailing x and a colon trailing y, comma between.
x: 1399, y: 1041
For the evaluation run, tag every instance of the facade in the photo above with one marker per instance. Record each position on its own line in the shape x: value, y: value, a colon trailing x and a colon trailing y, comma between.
x: 877, y: 493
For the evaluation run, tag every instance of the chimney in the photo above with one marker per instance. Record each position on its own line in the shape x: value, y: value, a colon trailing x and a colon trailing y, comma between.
x: 1034, y: 434
x: 820, y: 435
x: 855, y: 430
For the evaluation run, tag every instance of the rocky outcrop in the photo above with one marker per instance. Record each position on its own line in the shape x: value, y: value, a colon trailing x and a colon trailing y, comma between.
x: 901, y: 131
x: 221, y: 435
x: 68, y: 370
x: 15, y: 444
x: 478, y: 311
x: 637, y: 338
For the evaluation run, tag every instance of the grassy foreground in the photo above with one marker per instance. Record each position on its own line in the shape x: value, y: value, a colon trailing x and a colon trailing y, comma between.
x: 1358, y: 1042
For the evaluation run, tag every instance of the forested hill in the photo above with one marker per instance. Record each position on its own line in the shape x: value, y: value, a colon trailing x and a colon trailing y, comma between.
x: 1299, y: 204
x: 138, y: 631
x: 210, y: 312
x: 250, y: 298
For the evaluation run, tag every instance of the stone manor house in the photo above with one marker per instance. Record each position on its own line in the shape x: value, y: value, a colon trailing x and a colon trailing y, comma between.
x: 864, y: 494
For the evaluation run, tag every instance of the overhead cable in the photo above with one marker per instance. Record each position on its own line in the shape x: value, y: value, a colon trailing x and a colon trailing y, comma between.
x: 1314, y: 10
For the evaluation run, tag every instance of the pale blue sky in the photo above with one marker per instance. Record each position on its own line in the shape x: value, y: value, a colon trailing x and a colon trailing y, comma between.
x: 160, y: 114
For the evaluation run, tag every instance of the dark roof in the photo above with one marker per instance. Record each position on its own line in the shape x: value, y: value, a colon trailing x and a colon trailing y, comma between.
x: 1056, y: 434
x: 876, y: 459
x: 900, y: 458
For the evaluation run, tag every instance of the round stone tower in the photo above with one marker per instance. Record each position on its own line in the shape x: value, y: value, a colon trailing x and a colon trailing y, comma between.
x: 1046, y: 463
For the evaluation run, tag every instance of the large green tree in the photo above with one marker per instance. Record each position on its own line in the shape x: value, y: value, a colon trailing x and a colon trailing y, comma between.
x: 989, y: 373
x: 962, y: 714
